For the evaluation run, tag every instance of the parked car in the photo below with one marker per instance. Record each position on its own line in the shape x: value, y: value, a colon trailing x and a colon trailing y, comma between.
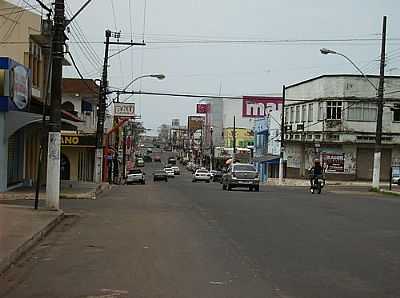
x: 140, y: 162
x: 170, y: 172
x: 147, y: 158
x: 202, y: 175
x: 176, y: 169
x: 135, y: 176
x: 149, y: 151
x: 160, y: 175
x: 241, y: 175
x: 216, y: 176
x: 172, y: 160
x: 157, y: 158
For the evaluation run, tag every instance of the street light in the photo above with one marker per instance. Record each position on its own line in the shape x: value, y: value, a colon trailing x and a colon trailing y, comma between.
x: 156, y: 76
x: 325, y: 51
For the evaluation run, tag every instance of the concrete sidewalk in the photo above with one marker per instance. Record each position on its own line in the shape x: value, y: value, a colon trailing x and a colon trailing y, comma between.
x: 306, y: 182
x: 20, y: 229
x: 68, y: 190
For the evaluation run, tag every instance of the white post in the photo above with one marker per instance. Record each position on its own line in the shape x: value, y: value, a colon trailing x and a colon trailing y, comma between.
x: 377, y: 169
x: 281, y: 170
x: 98, y: 166
x: 3, y: 151
x: 53, y: 171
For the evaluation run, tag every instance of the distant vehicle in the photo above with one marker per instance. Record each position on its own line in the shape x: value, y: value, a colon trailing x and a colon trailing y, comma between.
x: 170, y: 172
x: 135, y: 176
x: 396, y: 175
x: 172, y: 160
x: 149, y: 151
x: 147, y: 158
x: 241, y: 175
x: 157, y: 158
x: 202, y: 175
x: 216, y: 175
x: 160, y: 175
x: 176, y: 169
x: 140, y: 162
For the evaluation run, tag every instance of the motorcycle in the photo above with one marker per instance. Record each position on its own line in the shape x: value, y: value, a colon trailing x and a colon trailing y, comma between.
x: 318, y: 182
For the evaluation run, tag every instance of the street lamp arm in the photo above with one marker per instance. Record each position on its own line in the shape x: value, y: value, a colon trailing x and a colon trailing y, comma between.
x: 359, y: 70
x: 157, y: 76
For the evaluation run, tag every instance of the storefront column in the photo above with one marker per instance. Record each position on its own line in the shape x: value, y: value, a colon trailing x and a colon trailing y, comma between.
x: 3, y: 151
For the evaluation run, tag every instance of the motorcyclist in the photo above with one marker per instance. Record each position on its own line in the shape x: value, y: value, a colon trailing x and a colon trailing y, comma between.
x: 316, y: 171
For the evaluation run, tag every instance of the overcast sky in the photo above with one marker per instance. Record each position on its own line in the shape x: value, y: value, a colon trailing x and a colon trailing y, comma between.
x: 232, y: 68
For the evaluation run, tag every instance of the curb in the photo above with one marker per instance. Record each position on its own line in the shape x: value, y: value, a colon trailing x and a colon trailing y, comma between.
x: 28, y: 244
x: 92, y: 195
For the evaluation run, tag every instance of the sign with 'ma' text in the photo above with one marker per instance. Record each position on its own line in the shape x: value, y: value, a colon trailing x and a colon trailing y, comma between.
x: 124, y: 109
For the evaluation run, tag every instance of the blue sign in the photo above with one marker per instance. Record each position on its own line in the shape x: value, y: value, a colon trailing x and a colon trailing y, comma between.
x: 15, y: 85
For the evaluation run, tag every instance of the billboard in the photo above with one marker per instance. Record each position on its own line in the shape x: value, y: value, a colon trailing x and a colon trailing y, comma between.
x: 195, y: 123
x: 124, y: 109
x: 260, y: 106
x: 203, y: 108
x: 333, y: 162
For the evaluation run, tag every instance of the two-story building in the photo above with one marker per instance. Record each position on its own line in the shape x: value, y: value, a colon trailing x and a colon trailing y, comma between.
x: 333, y: 118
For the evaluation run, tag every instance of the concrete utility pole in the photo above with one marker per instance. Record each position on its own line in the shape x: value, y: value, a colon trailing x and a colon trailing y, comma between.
x: 378, y: 144
x: 281, y: 161
x: 234, y: 139
x: 101, y: 112
x: 212, y: 149
x: 54, y: 142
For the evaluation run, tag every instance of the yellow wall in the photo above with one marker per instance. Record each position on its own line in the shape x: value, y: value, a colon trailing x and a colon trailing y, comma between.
x: 16, y: 27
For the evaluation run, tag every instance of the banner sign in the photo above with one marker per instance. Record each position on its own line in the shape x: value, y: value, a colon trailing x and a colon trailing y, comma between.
x: 78, y: 141
x: 333, y: 162
x: 195, y: 123
x: 124, y: 109
x: 259, y: 106
x: 203, y: 108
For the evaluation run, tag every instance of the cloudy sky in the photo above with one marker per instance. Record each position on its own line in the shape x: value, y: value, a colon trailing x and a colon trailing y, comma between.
x: 232, y: 47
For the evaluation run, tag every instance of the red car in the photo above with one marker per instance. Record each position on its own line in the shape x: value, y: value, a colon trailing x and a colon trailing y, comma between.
x: 157, y: 158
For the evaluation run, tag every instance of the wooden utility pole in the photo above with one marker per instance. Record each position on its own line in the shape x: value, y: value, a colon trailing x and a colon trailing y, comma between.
x: 54, y: 142
x: 380, y: 101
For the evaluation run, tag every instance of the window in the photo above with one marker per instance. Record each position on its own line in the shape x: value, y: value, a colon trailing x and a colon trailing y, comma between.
x: 303, y: 113
x: 396, y: 115
x: 291, y: 114
x: 297, y: 114
x: 321, y: 114
x: 333, y: 110
x: 286, y: 115
x: 361, y: 111
x: 310, y: 112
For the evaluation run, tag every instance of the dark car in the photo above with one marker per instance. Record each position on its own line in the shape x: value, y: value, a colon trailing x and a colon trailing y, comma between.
x: 241, y: 175
x: 216, y: 176
x: 160, y: 175
x: 172, y: 160
x: 147, y: 158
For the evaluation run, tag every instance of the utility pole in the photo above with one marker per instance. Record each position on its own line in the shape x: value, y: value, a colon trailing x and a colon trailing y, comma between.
x: 101, y: 112
x: 234, y: 139
x: 54, y: 142
x: 124, y: 153
x: 281, y: 161
x: 378, y: 144
x: 212, y: 149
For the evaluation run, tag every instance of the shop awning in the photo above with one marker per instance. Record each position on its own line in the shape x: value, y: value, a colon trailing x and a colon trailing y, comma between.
x: 268, y: 158
x: 17, y: 120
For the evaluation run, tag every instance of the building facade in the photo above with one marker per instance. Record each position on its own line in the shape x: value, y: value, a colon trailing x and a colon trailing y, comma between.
x: 333, y: 118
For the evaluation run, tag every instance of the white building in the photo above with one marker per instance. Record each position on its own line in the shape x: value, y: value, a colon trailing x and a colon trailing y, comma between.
x: 333, y: 117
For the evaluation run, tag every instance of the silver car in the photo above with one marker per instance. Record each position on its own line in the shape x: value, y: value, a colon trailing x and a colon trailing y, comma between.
x: 202, y: 175
x: 241, y: 175
x: 135, y: 176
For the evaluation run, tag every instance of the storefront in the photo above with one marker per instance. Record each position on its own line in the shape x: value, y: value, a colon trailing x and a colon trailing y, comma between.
x: 77, y: 157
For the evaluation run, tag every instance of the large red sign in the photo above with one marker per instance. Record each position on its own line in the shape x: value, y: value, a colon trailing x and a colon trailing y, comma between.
x: 203, y: 108
x: 260, y: 106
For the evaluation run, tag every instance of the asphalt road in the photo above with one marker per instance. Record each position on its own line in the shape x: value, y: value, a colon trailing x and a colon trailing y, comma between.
x: 184, y: 239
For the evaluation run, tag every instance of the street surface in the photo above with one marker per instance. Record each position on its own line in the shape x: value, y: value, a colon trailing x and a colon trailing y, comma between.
x: 184, y: 239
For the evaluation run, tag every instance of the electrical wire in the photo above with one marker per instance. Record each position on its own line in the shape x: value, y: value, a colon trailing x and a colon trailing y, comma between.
x: 80, y: 74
